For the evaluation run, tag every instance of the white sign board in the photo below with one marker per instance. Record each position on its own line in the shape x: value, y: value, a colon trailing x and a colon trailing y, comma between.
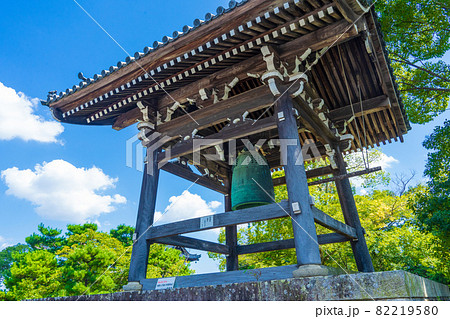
x: 165, y: 283
x: 206, y: 222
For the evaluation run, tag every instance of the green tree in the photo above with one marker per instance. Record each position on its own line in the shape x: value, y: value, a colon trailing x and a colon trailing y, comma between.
x: 47, y: 239
x: 166, y: 262
x: 93, y: 262
x: 7, y: 259
x: 87, y: 262
x: 124, y: 234
x: 80, y: 229
x: 432, y: 205
x: 417, y: 34
x: 34, y: 274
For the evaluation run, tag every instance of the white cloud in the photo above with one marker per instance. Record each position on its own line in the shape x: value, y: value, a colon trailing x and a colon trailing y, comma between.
x: 61, y: 191
x: 385, y: 161
x: 187, y: 206
x: 3, y: 243
x: 18, y: 120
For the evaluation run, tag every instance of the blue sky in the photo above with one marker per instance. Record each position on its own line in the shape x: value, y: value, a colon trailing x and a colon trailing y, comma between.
x: 43, y: 45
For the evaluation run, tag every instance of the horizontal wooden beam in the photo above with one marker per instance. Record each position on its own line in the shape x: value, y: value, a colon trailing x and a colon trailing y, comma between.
x: 243, y: 216
x: 331, y: 35
x: 194, y: 243
x: 369, y: 106
x: 235, y: 131
x: 189, y: 175
x: 346, y: 11
x: 322, y: 171
x: 349, y: 175
x: 288, y: 244
x: 235, y: 106
x: 127, y: 119
x: 328, y: 222
x: 313, y: 173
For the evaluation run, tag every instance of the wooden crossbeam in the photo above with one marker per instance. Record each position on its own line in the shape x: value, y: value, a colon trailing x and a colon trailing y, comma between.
x: 349, y: 175
x: 243, y: 216
x: 313, y: 173
x: 189, y: 175
x: 288, y: 244
x: 369, y: 106
x: 234, y: 132
x: 328, y: 222
x: 249, y: 215
x: 256, y: 99
x: 194, y: 243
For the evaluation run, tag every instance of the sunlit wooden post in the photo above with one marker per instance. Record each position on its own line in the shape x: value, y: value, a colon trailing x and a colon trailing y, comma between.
x: 146, y: 212
x: 305, y: 237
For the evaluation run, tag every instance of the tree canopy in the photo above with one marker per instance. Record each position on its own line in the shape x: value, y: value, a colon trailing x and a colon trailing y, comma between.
x: 417, y: 35
x: 83, y: 261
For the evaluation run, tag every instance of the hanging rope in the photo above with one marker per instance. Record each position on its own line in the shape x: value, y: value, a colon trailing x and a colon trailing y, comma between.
x: 351, y: 104
x: 364, y: 126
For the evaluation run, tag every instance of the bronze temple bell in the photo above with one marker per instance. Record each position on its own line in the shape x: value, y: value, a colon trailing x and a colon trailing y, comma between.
x: 251, y: 184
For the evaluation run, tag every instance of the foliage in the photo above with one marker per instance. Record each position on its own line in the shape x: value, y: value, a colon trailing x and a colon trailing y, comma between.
x: 94, y: 262
x: 166, y: 262
x: 432, y: 205
x: 34, y: 275
x: 47, y: 239
x: 80, y: 229
x: 124, y: 234
x: 417, y: 34
x: 6, y: 258
x: 83, y: 261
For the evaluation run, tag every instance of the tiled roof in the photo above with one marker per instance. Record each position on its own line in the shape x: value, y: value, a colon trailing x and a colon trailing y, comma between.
x: 53, y: 96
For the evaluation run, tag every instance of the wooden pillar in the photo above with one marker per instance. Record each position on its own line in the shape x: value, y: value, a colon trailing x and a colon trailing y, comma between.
x: 348, y: 205
x: 305, y: 237
x: 231, y: 239
x: 145, y: 217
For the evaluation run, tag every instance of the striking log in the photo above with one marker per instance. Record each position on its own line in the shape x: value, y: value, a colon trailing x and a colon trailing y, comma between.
x: 313, y: 173
x: 348, y: 175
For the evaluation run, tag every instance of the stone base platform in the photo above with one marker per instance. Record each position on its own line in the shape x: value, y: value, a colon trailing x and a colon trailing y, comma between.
x: 390, y: 285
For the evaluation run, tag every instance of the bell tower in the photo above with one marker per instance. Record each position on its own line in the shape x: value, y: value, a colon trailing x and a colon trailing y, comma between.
x: 261, y: 85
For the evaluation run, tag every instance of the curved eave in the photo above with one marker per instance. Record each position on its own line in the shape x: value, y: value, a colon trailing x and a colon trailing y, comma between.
x: 122, y: 67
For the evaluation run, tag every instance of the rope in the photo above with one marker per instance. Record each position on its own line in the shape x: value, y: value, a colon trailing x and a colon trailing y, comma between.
x: 351, y: 104
x: 364, y: 126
